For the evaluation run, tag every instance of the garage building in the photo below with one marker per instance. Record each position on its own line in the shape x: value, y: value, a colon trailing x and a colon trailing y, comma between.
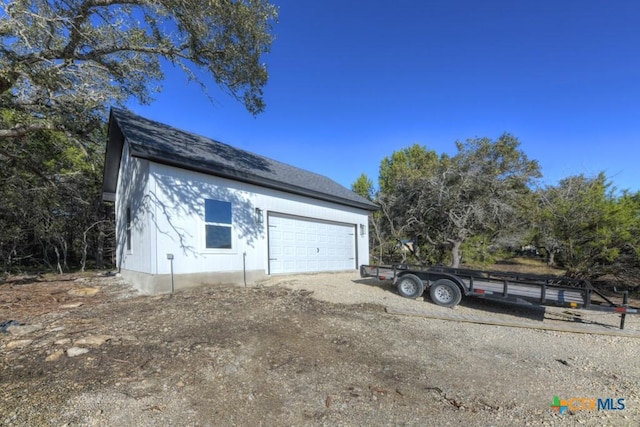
x: 217, y: 214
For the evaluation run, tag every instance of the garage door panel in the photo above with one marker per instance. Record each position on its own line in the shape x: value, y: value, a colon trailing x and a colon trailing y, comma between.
x: 276, y: 252
x: 298, y: 245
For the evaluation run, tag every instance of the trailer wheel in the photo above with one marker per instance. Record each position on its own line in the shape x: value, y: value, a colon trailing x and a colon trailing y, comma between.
x: 445, y: 293
x: 410, y: 286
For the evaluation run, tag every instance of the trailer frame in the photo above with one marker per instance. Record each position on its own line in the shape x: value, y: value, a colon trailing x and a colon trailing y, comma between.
x: 505, y: 286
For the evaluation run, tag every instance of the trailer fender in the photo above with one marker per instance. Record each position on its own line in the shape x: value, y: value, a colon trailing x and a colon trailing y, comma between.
x: 363, y: 271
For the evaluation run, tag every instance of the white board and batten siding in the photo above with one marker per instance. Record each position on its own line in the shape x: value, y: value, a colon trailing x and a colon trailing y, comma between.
x: 302, y: 245
x: 314, y: 235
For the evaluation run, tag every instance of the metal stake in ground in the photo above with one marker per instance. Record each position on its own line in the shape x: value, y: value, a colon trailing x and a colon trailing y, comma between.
x: 170, y: 258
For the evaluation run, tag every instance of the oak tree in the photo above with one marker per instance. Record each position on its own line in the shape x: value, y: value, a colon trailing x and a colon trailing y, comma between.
x: 586, y: 227
x: 449, y: 199
x: 63, y: 63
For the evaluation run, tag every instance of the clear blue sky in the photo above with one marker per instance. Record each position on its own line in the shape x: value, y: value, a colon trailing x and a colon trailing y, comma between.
x: 352, y: 81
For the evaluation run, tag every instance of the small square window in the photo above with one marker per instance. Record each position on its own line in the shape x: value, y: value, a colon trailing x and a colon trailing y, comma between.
x: 218, y: 225
x: 218, y: 237
x: 217, y: 211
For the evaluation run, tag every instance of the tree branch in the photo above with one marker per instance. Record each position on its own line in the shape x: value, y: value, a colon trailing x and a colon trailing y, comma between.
x: 23, y: 130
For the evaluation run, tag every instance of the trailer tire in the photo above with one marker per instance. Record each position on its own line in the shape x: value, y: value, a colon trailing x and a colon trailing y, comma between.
x: 445, y: 293
x: 410, y: 286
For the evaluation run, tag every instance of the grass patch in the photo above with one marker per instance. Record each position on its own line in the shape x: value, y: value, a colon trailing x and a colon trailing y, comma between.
x: 522, y: 265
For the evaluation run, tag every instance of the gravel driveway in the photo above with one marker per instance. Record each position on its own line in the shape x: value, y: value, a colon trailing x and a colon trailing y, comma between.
x: 300, y: 350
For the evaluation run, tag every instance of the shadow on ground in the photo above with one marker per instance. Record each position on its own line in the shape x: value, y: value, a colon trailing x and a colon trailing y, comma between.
x: 385, y: 285
x: 536, y: 313
x: 533, y: 312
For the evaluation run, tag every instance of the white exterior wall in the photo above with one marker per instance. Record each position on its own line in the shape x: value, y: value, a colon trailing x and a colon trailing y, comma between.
x: 132, y: 188
x: 167, y: 208
x: 180, y: 227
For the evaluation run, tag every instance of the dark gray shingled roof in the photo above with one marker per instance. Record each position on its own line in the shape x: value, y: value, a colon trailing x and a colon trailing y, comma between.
x: 164, y: 144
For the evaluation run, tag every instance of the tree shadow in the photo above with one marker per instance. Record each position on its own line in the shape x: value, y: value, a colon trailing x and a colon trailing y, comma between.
x: 173, y: 199
x: 573, y: 317
x: 184, y: 197
x: 530, y: 312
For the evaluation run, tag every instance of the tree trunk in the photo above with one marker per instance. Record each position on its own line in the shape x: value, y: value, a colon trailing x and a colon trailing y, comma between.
x: 100, y: 249
x: 65, y: 254
x: 8, y: 266
x: 85, y: 245
x: 59, y: 267
x: 551, y: 258
x: 455, y: 254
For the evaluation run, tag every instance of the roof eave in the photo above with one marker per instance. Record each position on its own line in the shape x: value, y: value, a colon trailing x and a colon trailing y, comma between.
x: 223, y: 172
x: 113, y: 156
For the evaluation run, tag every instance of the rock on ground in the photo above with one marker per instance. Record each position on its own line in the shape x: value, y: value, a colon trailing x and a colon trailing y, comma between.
x: 302, y: 350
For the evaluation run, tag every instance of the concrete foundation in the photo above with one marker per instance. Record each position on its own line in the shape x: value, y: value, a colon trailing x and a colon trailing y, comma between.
x: 149, y: 284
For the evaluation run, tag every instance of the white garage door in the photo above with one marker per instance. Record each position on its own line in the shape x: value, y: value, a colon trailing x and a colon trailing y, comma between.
x: 299, y: 245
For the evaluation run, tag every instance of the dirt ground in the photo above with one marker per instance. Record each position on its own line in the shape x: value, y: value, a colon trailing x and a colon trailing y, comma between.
x: 299, y: 350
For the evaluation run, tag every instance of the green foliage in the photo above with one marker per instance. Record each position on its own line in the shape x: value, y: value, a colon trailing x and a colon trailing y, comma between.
x: 49, y: 197
x: 406, y: 165
x: 587, y: 227
x: 447, y: 200
x: 64, y: 63
x: 364, y: 187
x: 478, y: 252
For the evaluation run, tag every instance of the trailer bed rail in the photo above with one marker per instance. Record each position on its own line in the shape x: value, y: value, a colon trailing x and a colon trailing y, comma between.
x: 448, y: 285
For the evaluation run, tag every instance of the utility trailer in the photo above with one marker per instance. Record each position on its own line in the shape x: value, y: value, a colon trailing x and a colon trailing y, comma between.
x: 447, y: 286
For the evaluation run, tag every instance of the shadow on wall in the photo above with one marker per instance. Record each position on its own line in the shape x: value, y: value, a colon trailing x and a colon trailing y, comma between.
x: 179, y: 197
x: 185, y: 198
x: 135, y: 186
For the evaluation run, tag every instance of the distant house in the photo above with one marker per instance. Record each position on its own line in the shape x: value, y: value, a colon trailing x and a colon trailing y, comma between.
x: 224, y: 214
